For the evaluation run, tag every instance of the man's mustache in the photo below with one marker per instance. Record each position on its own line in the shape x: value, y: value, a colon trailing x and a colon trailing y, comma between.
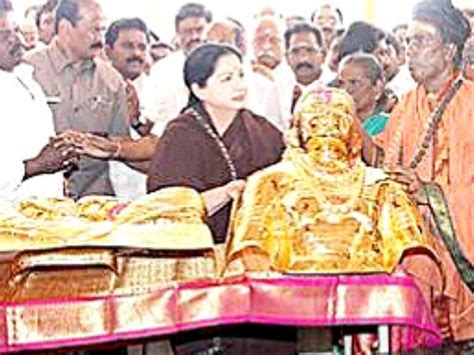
x: 194, y: 43
x: 266, y: 53
x: 97, y: 45
x: 135, y: 59
x: 305, y: 65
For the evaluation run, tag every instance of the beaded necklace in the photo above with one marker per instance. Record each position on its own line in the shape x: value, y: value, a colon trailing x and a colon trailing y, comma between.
x: 431, y: 126
x: 433, y: 123
x: 220, y: 144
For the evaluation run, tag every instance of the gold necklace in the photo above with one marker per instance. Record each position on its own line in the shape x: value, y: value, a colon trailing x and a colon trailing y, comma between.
x: 337, y: 194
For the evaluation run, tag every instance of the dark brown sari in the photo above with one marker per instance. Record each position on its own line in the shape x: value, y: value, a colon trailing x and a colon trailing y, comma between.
x: 188, y: 156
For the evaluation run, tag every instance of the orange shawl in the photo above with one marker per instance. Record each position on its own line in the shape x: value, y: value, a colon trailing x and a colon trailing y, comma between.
x: 457, y: 179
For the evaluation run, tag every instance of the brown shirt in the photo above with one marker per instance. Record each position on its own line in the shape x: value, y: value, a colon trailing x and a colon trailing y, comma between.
x: 188, y: 156
x: 86, y: 96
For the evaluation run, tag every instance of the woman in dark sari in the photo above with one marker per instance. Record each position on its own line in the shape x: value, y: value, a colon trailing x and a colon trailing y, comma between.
x: 214, y: 144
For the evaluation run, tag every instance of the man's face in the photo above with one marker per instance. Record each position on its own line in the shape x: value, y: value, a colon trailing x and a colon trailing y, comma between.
x: 128, y: 54
x: 46, y: 27
x: 267, y: 44
x: 225, y: 32
x: 387, y: 58
x: 401, y: 34
x: 86, y: 37
x: 327, y: 19
x: 190, y: 32
x: 426, y: 52
x: 11, y: 48
x: 222, y: 33
x: 305, y: 57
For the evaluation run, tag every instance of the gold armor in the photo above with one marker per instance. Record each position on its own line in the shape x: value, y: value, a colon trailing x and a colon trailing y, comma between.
x: 322, y: 210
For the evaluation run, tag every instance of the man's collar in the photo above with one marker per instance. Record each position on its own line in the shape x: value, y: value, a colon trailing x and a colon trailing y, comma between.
x: 61, y: 59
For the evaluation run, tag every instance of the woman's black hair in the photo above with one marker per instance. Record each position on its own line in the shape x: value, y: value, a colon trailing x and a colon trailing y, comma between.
x: 201, y: 64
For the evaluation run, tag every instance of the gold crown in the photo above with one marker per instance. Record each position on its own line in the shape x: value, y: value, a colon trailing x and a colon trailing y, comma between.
x: 320, y: 99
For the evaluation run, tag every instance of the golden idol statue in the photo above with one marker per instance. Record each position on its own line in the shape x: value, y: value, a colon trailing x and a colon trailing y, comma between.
x: 321, y: 209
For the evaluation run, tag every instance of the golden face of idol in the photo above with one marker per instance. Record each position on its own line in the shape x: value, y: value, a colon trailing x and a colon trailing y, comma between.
x: 325, y: 115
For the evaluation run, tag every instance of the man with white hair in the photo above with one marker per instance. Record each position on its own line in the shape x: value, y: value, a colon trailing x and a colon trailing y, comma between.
x: 269, y: 58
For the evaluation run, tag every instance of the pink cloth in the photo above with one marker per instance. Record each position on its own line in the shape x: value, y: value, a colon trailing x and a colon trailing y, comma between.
x: 299, y: 301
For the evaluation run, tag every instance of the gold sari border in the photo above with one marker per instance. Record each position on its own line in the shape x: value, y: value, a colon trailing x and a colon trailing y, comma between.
x: 258, y: 298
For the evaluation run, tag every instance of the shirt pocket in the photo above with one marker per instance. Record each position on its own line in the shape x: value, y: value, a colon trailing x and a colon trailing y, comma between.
x: 94, y: 114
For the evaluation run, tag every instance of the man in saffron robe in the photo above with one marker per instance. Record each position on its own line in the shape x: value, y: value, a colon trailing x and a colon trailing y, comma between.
x: 430, y: 137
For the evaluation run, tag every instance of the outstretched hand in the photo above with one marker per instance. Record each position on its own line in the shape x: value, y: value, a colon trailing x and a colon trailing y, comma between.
x: 50, y: 159
x: 88, y: 144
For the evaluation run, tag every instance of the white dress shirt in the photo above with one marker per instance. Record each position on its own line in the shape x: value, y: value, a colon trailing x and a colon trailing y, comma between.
x: 127, y: 182
x: 27, y: 128
x: 165, y: 94
x: 402, y: 83
x: 285, y: 81
x: 263, y: 98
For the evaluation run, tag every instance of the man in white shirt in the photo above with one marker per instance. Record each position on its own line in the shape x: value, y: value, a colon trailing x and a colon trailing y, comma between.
x: 30, y: 164
x: 126, y: 45
x: 329, y: 20
x: 305, y: 55
x: 165, y: 93
x: 397, y: 74
x: 267, y: 39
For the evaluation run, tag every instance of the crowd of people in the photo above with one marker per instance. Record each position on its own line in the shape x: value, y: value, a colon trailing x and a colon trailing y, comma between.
x: 96, y: 110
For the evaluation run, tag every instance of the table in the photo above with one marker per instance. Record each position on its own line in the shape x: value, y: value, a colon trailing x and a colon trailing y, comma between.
x: 394, y: 302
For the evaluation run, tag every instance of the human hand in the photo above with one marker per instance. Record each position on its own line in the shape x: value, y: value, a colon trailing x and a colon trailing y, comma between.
x: 409, y: 178
x: 50, y: 160
x: 99, y: 147
x: 90, y: 145
x: 262, y: 70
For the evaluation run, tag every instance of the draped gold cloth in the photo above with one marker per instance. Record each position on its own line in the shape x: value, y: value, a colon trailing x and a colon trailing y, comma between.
x: 102, y: 246
x: 171, y: 219
x: 322, y: 210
